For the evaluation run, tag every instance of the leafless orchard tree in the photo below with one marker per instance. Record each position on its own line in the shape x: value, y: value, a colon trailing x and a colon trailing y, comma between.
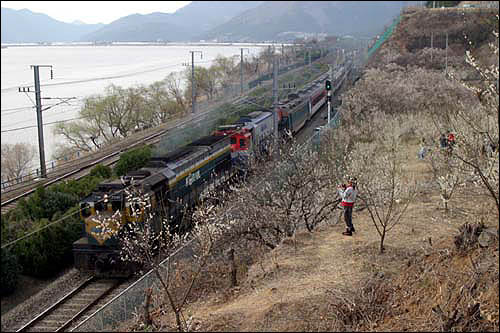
x: 16, y: 159
x: 295, y: 190
x: 445, y: 172
x: 382, y: 183
x: 477, y: 128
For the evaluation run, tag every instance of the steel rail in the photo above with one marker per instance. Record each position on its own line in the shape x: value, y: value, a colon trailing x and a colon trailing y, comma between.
x: 33, y: 321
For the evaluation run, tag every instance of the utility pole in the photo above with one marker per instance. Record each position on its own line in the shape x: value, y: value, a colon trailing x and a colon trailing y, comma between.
x: 38, y: 99
x: 241, y: 68
x: 193, y: 100
x: 446, y: 55
x: 270, y: 57
x: 432, y: 41
x: 275, y: 98
x: 329, y: 97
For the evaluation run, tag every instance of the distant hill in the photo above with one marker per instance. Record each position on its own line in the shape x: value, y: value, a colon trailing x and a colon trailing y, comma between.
x: 187, y: 22
x: 209, y: 20
x: 278, y: 20
x: 25, y: 26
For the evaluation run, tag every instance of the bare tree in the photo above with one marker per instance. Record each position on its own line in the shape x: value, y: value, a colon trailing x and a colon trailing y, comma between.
x: 16, y: 159
x: 445, y: 172
x: 382, y: 183
x: 173, y: 83
x: 476, y: 127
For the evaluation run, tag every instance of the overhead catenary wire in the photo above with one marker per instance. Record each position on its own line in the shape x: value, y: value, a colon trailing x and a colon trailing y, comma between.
x: 51, y: 123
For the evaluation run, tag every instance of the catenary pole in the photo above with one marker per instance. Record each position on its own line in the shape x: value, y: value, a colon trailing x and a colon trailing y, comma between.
x: 193, y: 85
x: 241, y: 68
x: 38, y: 100
x: 275, y: 98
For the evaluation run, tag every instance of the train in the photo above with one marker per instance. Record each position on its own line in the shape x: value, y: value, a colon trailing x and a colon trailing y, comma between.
x: 176, y: 182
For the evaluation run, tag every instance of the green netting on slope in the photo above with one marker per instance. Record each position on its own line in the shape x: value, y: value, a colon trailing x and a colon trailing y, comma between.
x: 384, y: 37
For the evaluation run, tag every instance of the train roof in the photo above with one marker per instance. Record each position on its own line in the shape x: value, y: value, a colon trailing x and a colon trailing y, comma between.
x: 181, y: 155
x: 107, y: 185
x: 254, y: 117
x: 209, y: 140
x: 184, y: 156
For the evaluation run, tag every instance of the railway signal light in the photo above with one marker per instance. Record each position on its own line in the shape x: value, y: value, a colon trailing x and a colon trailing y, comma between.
x: 328, y: 85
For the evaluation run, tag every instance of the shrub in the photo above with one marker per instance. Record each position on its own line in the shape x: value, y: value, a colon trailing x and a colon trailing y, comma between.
x: 46, y: 202
x: 101, y: 171
x: 132, y: 160
x: 10, y: 272
x: 46, y: 252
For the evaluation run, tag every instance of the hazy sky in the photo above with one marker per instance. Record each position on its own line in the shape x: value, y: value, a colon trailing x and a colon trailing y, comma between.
x: 91, y: 12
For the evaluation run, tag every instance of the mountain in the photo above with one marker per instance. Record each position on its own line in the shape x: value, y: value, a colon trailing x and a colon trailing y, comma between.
x: 275, y: 20
x: 137, y: 27
x: 187, y: 22
x: 25, y: 26
x: 209, y: 20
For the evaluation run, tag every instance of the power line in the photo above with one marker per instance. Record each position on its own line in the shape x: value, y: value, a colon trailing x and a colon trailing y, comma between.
x: 54, y: 122
x: 19, y: 108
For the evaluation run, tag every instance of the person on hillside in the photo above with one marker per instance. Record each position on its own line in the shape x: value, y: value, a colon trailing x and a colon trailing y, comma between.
x: 451, y: 139
x: 348, y: 195
x: 443, y: 141
x: 423, y: 150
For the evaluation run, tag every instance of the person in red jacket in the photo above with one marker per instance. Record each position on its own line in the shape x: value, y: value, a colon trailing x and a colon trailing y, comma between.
x: 451, y: 139
x: 348, y: 194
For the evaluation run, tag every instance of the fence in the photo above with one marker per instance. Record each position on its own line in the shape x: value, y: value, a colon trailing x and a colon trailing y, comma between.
x: 384, y: 37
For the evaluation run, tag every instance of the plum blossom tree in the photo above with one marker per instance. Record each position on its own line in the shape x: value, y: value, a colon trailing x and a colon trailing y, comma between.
x: 383, y: 185
x: 477, y: 127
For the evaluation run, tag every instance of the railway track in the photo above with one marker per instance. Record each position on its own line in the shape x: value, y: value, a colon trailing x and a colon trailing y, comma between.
x: 73, y: 307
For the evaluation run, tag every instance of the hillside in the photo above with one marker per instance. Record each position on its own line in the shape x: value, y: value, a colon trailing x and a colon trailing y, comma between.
x: 282, y: 20
x: 440, y: 268
x: 324, y: 281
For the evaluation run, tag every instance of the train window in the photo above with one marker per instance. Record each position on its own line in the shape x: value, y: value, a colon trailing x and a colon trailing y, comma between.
x: 116, y: 205
x: 243, y: 143
x: 233, y: 140
x: 99, y: 206
x: 85, y: 209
